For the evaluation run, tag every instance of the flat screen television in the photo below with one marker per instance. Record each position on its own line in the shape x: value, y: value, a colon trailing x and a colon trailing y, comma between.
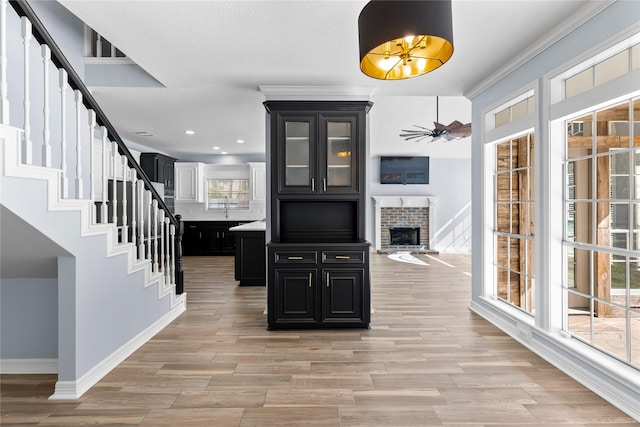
x: 404, y: 170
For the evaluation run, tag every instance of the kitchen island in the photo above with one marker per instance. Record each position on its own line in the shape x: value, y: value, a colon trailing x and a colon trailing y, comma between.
x: 250, y: 256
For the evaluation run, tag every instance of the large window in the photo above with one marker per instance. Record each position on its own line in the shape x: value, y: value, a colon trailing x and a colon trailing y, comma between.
x: 514, y: 222
x: 602, y: 229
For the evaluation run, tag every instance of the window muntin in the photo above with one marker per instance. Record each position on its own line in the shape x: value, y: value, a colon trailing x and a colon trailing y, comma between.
x: 514, y: 222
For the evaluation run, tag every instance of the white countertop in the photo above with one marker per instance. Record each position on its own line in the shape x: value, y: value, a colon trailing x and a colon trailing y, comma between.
x: 250, y: 226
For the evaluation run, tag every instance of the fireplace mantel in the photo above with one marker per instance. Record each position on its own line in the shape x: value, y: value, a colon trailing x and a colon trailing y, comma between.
x: 380, y: 202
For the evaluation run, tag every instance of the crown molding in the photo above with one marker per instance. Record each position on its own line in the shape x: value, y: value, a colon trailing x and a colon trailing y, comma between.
x: 576, y: 20
x: 309, y: 93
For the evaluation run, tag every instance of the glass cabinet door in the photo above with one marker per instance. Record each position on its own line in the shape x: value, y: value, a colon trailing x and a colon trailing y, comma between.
x: 298, y: 168
x: 340, y: 156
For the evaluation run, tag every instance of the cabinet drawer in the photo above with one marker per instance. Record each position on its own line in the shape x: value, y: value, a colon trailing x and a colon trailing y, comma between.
x: 296, y: 257
x: 343, y: 257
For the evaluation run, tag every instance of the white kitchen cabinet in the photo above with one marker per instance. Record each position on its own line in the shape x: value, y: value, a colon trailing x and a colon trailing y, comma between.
x: 258, y: 181
x: 189, y: 182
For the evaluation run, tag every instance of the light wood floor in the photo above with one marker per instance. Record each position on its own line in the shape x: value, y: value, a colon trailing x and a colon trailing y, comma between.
x: 426, y: 361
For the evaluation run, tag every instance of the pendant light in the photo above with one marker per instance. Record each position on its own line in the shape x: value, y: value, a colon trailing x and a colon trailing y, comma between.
x: 403, y: 39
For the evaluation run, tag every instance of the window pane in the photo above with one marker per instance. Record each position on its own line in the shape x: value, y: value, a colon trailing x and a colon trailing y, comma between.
x: 571, y: 268
x: 502, y: 279
x: 503, y: 187
x: 503, y: 156
x: 635, y: 336
x: 579, y: 137
x: 582, y: 272
x: 636, y: 121
x: 502, y: 218
x: 619, y: 276
x: 612, y: 126
x: 519, y: 110
x: 502, y: 117
x: 502, y: 251
x: 582, y: 222
x: 612, y: 67
x: 579, y: 83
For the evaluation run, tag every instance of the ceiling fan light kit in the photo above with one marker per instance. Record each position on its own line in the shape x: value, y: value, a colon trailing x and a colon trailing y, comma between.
x: 403, y: 39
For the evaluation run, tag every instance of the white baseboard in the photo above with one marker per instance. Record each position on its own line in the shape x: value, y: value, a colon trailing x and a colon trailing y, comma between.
x: 28, y: 366
x: 71, y: 390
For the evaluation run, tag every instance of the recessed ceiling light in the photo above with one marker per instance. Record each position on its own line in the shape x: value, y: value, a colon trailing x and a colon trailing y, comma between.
x: 189, y: 132
x: 216, y: 148
x: 143, y: 133
x: 240, y: 141
x: 223, y: 152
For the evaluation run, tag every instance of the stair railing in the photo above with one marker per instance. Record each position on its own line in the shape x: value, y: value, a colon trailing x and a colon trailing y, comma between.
x: 74, y: 129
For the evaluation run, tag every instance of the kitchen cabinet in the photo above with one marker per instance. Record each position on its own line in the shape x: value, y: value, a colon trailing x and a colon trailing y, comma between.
x: 258, y: 181
x: 160, y: 168
x: 319, y: 147
x: 202, y: 238
x: 189, y: 182
x: 250, y: 255
x: 318, y: 286
x: 318, y: 263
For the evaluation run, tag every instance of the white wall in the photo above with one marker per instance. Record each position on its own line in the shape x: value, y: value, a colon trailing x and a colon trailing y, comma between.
x: 449, y: 163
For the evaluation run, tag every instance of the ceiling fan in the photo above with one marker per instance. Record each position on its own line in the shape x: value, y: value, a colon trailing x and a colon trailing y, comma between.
x: 453, y: 130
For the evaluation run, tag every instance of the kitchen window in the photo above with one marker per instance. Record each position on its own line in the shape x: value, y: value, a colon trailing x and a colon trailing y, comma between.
x: 227, y: 194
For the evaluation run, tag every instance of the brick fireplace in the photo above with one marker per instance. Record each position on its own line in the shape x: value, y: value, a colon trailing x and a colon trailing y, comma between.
x: 405, y: 219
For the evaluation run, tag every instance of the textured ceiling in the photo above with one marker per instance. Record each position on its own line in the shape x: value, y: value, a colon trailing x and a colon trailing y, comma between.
x: 212, y: 56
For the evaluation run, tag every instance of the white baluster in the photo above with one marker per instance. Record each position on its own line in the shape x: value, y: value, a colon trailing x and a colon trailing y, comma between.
x: 155, y: 234
x: 104, y: 209
x: 161, y: 241
x: 114, y: 189
x: 167, y: 258
x: 79, y: 189
x: 141, y: 211
x: 172, y: 246
x: 4, y: 88
x: 46, y: 142
x: 149, y: 221
x: 92, y: 166
x: 27, y: 154
x: 134, y: 204
x: 64, y: 84
x: 125, y: 220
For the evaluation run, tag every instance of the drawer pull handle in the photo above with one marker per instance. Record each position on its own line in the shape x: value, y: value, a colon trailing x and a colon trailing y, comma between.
x: 327, y: 279
x: 313, y: 185
x: 309, y: 279
x: 295, y: 257
x: 342, y: 257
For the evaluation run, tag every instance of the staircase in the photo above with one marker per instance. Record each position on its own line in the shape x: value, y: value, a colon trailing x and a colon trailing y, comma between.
x: 66, y: 173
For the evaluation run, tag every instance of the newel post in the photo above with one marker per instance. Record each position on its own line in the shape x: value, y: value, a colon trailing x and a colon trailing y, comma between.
x: 178, y: 256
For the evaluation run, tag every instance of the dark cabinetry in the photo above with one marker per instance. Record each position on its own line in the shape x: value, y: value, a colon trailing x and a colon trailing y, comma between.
x: 318, y: 265
x: 319, y: 286
x: 208, y: 238
x: 250, y: 262
x: 161, y: 168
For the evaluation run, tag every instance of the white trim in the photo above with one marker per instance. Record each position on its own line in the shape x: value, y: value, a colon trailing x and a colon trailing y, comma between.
x: 313, y: 93
x: 28, y: 366
x: 614, y: 381
x: 570, y: 24
x: 71, y: 390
